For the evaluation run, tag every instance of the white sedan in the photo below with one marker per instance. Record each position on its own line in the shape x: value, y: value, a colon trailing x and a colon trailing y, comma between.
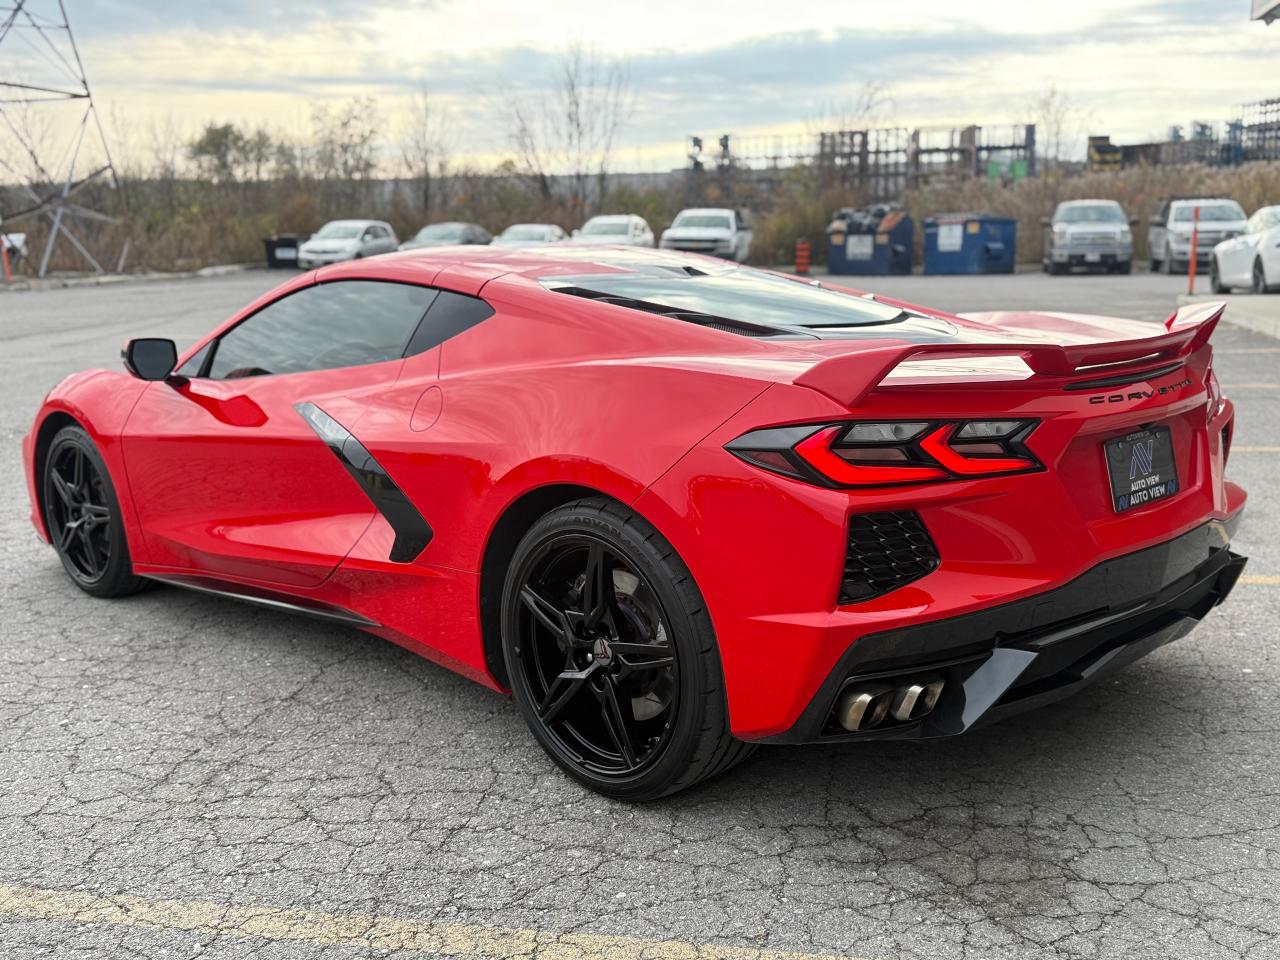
x: 1252, y: 259
x: 529, y: 235
x: 625, y: 229
x: 346, y: 240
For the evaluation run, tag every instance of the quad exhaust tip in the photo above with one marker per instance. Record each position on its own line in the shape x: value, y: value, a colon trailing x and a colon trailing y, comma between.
x: 866, y: 705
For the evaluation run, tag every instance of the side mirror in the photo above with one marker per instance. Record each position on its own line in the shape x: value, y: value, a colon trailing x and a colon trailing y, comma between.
x: 1156, y: 222
x: 150, y: 358
x: 1133, y: 221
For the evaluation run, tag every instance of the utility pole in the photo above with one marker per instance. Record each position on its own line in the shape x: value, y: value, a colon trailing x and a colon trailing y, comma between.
x: 53, y: 150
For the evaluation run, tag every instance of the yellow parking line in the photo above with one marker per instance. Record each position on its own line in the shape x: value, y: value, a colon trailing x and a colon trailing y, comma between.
x: 1259, y: 580
x: 362, y: 931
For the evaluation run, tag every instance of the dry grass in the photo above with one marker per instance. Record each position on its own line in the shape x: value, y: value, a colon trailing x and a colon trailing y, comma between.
x: 182, y: 224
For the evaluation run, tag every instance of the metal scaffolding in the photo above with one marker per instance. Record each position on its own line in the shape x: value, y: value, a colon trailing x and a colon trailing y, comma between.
x: 52, y: 169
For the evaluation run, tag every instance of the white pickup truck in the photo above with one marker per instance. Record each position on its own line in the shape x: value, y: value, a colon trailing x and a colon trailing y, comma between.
x: 717, y: 231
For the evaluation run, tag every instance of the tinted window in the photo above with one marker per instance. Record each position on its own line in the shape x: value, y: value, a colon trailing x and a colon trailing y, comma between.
x: 1209, y: 211
x: 450, y: 314
x: 1090, y: 213
x: 193, y: 366
x: 741, y: 294
x: 342, y: 324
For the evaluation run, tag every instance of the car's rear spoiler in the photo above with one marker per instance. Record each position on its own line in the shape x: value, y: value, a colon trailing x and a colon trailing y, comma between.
x: 848, y: 378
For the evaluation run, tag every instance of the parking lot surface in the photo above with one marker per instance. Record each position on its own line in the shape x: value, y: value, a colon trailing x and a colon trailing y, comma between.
x: 184, y: 776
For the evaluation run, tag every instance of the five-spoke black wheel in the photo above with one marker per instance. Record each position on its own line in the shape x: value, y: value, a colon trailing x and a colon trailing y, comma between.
x: 82, y: 516
x: 611, y: 655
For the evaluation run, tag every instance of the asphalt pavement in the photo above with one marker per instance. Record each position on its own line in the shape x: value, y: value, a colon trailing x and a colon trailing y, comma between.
x: 184, y: 776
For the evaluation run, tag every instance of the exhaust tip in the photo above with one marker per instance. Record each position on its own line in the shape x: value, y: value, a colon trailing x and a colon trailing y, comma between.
x: 864, y: 705
x: 915, y: 699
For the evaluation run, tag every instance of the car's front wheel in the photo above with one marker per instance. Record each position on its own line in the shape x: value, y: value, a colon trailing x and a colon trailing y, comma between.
x: 1260, y: 284
x: 611, y: 654
x: 1215, y: 278
x: 82, y: 515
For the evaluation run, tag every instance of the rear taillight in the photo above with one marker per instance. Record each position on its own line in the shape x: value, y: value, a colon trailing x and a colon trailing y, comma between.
x: 891, y: 452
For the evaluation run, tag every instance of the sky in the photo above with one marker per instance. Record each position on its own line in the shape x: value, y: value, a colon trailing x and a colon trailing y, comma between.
x: 749, y: 67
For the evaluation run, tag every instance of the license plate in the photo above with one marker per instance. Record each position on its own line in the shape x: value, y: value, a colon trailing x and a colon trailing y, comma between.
x: 1141, y: 468
x: 1093, y: 258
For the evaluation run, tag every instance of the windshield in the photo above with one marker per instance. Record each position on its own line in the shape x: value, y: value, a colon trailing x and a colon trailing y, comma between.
x: 338, y: 231
x: 525, y: 231
x: 1209, y: 211
x: 441, y: 231
x: 712, y: 220
x: 1091, y: 213
x: 742, y: 294
x: 605, y: 228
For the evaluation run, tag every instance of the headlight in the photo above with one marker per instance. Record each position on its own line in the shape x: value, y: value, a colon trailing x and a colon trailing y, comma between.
x: 1126, y: 233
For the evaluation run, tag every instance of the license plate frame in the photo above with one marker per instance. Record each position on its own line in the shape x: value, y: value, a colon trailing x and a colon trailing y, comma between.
x: 1141, y: 468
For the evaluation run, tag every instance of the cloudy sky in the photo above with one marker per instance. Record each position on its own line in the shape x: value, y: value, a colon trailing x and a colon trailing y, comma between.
x: 1132, y: 67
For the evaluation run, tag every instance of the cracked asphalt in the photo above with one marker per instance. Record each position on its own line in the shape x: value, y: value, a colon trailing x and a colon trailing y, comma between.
x: 200, y: 759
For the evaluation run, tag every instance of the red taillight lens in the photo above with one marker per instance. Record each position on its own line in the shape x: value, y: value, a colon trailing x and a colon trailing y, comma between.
x: 886, y: 453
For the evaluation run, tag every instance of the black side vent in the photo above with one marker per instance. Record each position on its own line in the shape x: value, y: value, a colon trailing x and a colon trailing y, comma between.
x: 886, y: 551
x: 740, y: 327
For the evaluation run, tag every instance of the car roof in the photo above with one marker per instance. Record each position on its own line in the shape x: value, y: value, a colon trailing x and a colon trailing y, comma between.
x: 725, y: 210
x: 354, y: 223
x: 1089, y: 203
x: 614, y: 216
x: 544, y: 226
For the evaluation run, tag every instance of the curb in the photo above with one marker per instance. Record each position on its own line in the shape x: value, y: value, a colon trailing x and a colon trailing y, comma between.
x: 58, y: 283
x: 1259, y: 313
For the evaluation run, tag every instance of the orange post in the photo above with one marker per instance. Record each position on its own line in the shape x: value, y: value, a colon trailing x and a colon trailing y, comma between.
x: 802, y: 257
x: 1195, y: 242
x: 4, y: 255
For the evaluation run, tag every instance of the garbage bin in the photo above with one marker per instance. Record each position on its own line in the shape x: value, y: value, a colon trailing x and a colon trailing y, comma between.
x: 969, y: 243
x: 873, y: 241
x: 282, y: 250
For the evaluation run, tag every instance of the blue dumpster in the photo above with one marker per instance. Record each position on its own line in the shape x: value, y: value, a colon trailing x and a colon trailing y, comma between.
x: 969, y: 243
x: 874, y: 241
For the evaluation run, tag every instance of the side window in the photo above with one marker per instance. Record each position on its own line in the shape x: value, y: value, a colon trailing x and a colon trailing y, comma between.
x: 342, y: 324
x: 450, y: 314
x: 194, y: 366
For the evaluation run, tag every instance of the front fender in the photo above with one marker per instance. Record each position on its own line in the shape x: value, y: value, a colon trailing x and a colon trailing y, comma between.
x: 100, y: 402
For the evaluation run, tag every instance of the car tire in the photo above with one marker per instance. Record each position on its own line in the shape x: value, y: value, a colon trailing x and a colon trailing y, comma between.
x: 1260, y: 284
x: 1156, y: 265
x: 82, y: 515
x: 1215, y: 278
x: 1124, y: 267
x: 1058, y: 269
x: 588, y: 579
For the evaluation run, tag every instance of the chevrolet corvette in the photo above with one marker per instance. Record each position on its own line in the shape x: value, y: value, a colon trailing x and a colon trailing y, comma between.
x: 675, y: 506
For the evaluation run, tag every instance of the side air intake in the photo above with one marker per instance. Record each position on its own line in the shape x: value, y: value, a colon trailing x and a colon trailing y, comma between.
x: 886, y: 551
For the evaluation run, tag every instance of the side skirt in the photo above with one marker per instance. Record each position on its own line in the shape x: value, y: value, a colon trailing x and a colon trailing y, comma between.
x: 265, y: 598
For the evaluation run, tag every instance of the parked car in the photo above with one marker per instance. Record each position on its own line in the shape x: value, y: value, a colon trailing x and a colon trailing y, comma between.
x: 346, y: 240
x: 529, y: 234
x: 717, y: 231
x: 625, y: 229
x: 1088, y: 233
x: 1252, y: 259
x: 448, y: 234
x: 1169, y: 235
x: 677, y: 507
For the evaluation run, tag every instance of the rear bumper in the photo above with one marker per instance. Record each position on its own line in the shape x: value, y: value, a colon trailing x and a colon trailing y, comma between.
x: 1019, y: 655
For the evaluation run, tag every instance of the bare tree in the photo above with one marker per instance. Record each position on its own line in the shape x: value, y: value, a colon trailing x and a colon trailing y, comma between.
x: 571, y: 131
x: 1057, y: 120
x: 425, y: 146
x: 857, y: 109
x: 346, y: 146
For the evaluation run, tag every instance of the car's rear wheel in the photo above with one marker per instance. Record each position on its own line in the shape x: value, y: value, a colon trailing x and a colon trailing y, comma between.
x: 82, y: 515
x: 611, y: 654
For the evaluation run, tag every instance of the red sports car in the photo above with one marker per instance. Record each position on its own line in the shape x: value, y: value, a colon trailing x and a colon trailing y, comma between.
x: 676, y: 506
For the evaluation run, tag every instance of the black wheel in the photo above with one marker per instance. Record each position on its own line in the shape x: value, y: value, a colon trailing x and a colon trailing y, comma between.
x: 611, y: 654
x: 1124, y: 267
x: 1260, y: 277
x: 82, y: 515
x: 1058, y: 269
x: 1215, y: 278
